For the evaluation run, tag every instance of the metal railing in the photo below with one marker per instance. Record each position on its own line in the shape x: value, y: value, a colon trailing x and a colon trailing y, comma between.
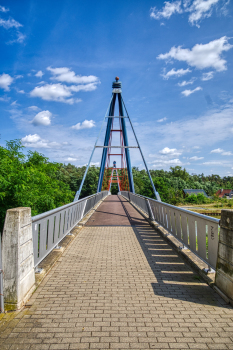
x: 49, y: 228
x: 197, y: 232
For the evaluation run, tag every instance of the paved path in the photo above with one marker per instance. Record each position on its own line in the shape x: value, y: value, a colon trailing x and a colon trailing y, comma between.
x: 121, y: 287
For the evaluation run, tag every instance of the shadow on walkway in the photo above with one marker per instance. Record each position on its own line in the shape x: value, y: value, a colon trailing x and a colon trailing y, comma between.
x: 175, y: 278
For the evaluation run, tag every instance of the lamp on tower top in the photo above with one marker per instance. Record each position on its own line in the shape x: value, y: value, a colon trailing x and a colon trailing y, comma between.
x: 116, y: 85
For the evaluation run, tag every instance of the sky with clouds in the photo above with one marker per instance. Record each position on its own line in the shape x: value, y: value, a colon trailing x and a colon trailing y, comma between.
x: 174, y: 59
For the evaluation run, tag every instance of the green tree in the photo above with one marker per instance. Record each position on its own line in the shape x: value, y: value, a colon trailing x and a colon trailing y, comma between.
x: 29, y: 181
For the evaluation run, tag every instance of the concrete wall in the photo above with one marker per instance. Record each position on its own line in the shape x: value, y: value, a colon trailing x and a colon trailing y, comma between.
x: 224, y: 271
x: 17, y: 258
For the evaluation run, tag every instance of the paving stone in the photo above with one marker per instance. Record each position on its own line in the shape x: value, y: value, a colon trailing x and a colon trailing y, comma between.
x: 119, y: 285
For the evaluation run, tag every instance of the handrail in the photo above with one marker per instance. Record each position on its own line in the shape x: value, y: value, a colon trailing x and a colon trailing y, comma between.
x: 195, y: 231
x: 49, y: 228
x: 203, y: 216
x: 53, y: 211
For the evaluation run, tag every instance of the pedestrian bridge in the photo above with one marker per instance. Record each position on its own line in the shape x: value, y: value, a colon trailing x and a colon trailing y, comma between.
x: 120, y: 284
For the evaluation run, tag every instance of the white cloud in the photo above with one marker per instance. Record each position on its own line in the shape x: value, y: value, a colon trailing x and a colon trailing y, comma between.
x: 170, y: 151
x: 223, y: 153
x: 5, y: 81
x: 39, y: 74
x: 196, y: 147
x: 3, y: 9
x: 207, y: 76
x: 92, y: 163
x: 217, y: 150
x: 70, y: 159
x: 228, y: 153
x: 53, y: 92
x: 176, y: 73
x: 18, y: 76
x: 224, y: 9
x: 42, y: 118
x: 201, y: 56
x: 190, y: 131
x: 86, y: 124
x: 189, y: 92
x: 64, y: 74
x: 161, y: 163
x: 184, y: 83
x: 59, y: 92
x: 87, y: 87
x: 35, y: 141
x: 10, y: 23
x: 161, y: 120
x: 31, y: 138
x: 213, y: 163
x: 196, y: 158
x: 169, y: 9
x: 20, y: 38
x: 21, y: 91
x: 200, y: 9
x: 4, y: 98
x: 34, y: 108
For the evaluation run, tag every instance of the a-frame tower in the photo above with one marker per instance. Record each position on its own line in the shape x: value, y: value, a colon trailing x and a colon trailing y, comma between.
x: 126, y: 181
x: 118, y: 173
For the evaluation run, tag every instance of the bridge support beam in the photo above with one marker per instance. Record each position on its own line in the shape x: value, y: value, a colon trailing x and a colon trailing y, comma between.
x: 224, y: 270
x: 17, y: 258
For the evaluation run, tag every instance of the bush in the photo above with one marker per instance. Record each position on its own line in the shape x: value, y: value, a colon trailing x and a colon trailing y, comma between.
x: 29, y: 181
x: 191, y: 199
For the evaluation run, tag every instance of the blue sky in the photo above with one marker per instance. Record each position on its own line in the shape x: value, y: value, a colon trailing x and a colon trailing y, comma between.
x: 175, y: 60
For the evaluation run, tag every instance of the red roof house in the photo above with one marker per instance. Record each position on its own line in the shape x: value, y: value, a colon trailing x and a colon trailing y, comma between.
x: 224, y: 193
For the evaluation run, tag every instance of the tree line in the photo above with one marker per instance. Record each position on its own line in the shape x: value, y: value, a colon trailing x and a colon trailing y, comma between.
x: 31, y: 180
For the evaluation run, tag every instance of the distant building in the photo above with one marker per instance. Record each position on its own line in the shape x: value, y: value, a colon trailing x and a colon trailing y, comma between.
x: 196, y: 192
x: 224, y: 193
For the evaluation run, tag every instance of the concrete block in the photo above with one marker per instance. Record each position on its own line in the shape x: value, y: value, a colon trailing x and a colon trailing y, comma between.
x: 224, y: 269
x: 17, y: 258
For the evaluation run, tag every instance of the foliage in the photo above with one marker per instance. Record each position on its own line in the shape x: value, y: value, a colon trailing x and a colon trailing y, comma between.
x: 29, y: 181
x: 33, y: 181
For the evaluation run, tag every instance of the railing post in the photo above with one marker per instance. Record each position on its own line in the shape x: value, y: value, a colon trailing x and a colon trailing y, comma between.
x: 224, y: 270
x: 150, y: 212
x: 17, y: 258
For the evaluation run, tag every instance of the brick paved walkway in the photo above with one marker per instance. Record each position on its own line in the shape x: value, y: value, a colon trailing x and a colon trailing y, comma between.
x: 121, y: 287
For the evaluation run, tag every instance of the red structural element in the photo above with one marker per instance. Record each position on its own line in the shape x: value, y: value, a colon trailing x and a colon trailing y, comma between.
x: 115, y: 174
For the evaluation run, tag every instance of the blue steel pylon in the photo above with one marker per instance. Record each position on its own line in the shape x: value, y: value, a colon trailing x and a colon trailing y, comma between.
x: 116, y: 93
x: 116, y: 96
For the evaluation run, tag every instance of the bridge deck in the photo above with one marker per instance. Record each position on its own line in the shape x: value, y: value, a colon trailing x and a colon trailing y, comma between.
x: 120, y: 286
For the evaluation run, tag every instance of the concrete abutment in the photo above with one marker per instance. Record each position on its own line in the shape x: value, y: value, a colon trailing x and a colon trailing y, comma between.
x: 17, y: 258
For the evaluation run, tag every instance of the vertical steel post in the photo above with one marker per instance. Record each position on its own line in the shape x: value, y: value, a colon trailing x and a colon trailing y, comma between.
x: 125, y: 137
x: 106, y: 142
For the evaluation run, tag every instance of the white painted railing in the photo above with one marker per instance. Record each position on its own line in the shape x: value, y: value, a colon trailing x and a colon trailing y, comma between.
x: 49, y: 228
x: 197, y: 232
